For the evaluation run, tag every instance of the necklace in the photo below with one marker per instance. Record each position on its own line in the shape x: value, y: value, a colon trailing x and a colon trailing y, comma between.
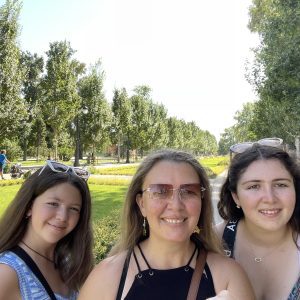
x: 259, y: 259
x: 45, y: 257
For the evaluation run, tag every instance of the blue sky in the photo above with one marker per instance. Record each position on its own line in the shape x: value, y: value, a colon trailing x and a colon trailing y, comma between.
x: 192, y: 53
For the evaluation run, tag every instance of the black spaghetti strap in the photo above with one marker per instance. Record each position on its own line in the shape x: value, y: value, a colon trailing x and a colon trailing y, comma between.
x: 192, y: 256
x: 144, y: 256
x: 34, y: 268
x: 136, y: 261
x: 229, y: 236
x: 123, y: 276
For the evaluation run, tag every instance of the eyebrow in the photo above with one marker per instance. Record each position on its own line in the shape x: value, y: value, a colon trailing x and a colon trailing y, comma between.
x: 60, y: 200
x: 274, y: 180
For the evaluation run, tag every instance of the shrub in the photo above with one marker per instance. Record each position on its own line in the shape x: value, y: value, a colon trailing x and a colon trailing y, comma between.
x: 11, y: 182
x: 106, y: 232
x: 109, y: 181
x: 119, y: 170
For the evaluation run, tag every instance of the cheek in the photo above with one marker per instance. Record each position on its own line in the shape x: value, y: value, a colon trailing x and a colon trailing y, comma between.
x: 194, y: 208
x: 73, y: 219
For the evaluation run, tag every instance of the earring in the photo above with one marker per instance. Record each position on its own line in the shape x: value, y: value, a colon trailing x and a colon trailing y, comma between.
x: 144, y: 227
x: 197, y: 230
x: 237, y: 206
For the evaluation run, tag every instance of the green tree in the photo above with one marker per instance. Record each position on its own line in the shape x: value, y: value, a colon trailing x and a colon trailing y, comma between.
x: 243, y: 129
x: 95, y: 125
x: 227, y: 139
x: 33, y: 67
x: 175, y: 133
x: 12, y: 107
x: 275, y: 73
x: 121, y: 109
x: 60, y: 100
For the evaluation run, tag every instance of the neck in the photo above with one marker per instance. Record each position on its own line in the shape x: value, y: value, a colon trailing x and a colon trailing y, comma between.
x: 171, y: 255
x: 265, y: 238
x: 34, y: 250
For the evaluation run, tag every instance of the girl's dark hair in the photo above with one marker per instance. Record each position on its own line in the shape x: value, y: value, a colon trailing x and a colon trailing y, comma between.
x: 73, y: 253
x: 240, y: 162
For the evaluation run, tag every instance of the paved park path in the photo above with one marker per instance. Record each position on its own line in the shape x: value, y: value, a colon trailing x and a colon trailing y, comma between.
x: 216, y: 185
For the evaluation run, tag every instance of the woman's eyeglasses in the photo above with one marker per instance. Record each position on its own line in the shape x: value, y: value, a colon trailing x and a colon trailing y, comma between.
x: 242, y: 147
x: 166, y: 191
x: 61, y: 168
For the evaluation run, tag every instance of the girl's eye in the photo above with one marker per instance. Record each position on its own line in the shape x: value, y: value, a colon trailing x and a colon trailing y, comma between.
x: 253, y: 187
x: 281, y: 185
x: 75, y: 209
x: 53, y: 204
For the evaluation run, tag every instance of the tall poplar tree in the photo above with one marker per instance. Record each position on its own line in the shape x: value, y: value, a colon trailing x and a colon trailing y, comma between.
x: 60, y: 101
x: 12, y: 108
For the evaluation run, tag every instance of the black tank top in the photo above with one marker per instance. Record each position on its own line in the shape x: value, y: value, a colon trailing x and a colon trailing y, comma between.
x: 172, y: 284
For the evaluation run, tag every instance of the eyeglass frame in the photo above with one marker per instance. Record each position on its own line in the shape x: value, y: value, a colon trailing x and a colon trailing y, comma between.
x: 68, y: 168
x: 202, y: 189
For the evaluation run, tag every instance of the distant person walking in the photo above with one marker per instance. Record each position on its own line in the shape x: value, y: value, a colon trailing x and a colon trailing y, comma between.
x: 3, y: 161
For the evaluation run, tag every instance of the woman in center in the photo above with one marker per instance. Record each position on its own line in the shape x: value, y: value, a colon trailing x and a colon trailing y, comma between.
x: 167, y: 221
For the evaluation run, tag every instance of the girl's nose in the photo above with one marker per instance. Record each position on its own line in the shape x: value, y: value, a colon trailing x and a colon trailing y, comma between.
x: 269, y: 194
x: 62, y: 214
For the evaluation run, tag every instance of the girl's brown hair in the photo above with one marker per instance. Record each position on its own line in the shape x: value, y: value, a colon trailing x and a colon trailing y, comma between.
x: 73, y: 253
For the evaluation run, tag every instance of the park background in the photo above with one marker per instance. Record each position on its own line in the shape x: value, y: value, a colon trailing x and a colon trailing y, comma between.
x: 54, y: 104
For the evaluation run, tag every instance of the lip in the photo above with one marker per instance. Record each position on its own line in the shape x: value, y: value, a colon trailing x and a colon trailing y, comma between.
x: 57, y: 227
x: 270, y: 212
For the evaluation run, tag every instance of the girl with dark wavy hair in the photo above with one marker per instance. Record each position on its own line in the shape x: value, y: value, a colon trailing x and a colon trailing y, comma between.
x: 259, y: 202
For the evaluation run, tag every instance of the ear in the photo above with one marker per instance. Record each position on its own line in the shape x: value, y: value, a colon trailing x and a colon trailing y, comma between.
x: 236, y: 198
x: 140, y: 202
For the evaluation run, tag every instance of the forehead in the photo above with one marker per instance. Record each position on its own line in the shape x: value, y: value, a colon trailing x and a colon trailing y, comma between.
x: 64, y: 192
x: 172, y: 172
x: 265, y: 169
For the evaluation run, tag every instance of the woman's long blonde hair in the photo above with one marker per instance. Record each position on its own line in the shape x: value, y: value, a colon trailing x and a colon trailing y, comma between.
x: 132, y: 219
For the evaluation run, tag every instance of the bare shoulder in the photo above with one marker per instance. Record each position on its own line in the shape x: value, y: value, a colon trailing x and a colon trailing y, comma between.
x: 9, y: 283
x: 104, y: 278
x: 228, y: 275
x: 219, y: 228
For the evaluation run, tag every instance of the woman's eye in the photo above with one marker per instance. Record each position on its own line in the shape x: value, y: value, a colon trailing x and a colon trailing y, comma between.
x: 161, y: 192
x: 187, y: 192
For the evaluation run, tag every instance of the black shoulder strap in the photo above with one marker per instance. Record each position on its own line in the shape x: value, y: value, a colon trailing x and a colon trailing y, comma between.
x: 34, y: 268
x: 123, y: 276
x: 229, y: 235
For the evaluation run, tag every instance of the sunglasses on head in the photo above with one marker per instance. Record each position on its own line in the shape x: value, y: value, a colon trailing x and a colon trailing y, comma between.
x: 61, y: 168
x: 163, y: 191
x: 242, y: 147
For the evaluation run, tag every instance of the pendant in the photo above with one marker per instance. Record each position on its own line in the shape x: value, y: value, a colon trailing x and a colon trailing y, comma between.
x: 258, y: 259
